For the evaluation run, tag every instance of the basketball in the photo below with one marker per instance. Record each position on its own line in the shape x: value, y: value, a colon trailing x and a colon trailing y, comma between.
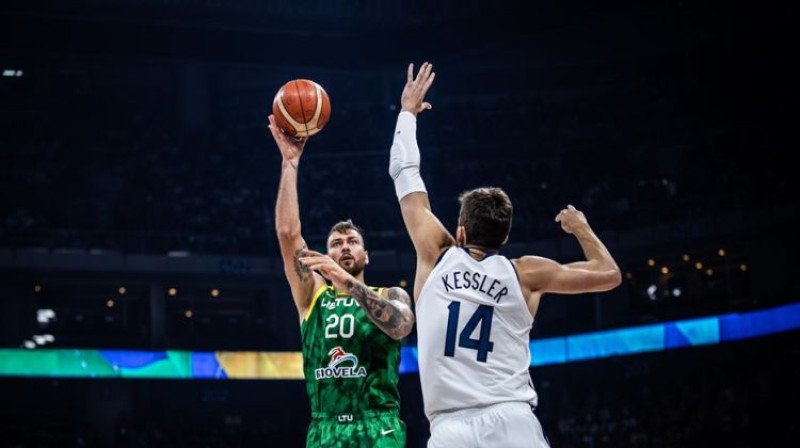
x: 301, y: 108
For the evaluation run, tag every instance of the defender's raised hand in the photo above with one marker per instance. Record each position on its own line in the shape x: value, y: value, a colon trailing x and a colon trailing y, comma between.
x: 291, y: 147
x: 413, y: 97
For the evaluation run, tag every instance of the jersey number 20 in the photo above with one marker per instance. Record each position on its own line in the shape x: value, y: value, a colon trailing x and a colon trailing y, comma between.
x: 482, y: 316
x: 339, y: 327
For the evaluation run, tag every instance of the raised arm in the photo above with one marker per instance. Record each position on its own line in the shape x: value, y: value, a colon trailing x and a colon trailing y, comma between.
x: 389, y: 310
x: 426, y: 231
x: 598, y: 273
x: 302, y: 281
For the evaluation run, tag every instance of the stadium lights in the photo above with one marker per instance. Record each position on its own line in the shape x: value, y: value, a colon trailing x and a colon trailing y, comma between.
x: 12, y: 73
x: 45, y: 315
x: 41, y: 339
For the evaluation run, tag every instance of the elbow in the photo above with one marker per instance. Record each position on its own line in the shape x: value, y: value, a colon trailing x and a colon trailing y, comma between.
x: 286, y: 232
x: 404, y: 329
x: 615, y: 278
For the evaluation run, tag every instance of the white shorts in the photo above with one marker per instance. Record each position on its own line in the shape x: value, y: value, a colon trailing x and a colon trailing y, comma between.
x: 502, y: 425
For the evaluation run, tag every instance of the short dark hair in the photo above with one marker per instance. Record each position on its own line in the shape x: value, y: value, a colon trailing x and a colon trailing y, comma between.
x: 345, y: 226
x: 486, y: 216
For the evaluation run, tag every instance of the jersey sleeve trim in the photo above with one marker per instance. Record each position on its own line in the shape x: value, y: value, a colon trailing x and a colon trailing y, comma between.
x: 319, y: 292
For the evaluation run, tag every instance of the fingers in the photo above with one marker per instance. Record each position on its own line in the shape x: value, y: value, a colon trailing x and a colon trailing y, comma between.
x: 570, y: 210
x: 310, y: 253
x: 313, y: 264
x: 273, y: 128
x: 423, y: 75
x: 428, y: 70
x: 410, y: 76
x: 560, y: 216
x: 428, y: 82
x: 316, y: 263
x: 421, y: 72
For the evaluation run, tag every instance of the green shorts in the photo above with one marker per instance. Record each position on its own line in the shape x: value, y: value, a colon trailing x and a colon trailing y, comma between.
x: 367, y: 429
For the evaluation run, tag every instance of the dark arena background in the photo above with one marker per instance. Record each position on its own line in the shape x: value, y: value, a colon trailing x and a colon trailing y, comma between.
x: 142, y: 296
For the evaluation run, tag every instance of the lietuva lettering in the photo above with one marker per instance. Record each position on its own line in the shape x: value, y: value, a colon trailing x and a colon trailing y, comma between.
x: 332, y: 304
x: 474, y: 280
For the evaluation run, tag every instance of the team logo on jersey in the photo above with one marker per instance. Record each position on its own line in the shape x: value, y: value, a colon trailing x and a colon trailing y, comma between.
x: 341, y: 365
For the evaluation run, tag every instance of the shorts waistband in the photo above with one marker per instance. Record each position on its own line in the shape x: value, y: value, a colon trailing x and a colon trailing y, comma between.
x: 349, y: 416
x: 470, y: 412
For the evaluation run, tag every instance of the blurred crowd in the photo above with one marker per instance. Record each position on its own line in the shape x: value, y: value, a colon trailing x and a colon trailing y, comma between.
x: 104, y: 168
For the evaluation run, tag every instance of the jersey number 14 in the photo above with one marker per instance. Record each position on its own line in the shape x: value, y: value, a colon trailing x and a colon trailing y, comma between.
x: 483, y: 317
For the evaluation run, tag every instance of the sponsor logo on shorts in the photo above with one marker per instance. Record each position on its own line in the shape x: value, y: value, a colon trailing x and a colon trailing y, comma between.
x: 386, y: 431
x: 338, y: 366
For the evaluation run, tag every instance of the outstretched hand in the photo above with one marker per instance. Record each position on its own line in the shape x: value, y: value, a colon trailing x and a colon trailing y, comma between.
x: 291, y: 147
x: 413, y: 97
x: 571, y: 219
x: 329, y: 269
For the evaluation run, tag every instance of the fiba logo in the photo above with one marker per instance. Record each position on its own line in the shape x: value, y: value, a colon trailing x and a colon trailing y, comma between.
x: 335, y: 369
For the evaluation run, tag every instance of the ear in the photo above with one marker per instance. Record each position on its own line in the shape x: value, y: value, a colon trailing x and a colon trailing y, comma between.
x: 461, y: 236
x: 366, y: 258
x: 505, y: 241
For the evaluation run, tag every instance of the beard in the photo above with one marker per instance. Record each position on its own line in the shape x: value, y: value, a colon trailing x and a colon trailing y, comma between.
x: 353, y: 266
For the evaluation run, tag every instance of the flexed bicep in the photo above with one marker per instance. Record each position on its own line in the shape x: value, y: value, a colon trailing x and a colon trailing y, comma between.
x: 543, y: 275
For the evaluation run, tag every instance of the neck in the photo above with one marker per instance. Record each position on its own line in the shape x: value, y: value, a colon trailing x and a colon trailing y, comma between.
x: 478, y: 252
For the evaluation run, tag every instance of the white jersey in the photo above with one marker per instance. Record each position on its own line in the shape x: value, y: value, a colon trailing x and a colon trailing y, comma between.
x: 473, y: 328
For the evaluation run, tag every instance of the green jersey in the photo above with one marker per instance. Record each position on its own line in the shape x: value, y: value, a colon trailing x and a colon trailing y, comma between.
x: 350, y: 365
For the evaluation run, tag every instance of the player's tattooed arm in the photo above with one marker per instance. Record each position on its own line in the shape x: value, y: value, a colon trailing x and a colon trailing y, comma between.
x: 303, y: 272
x: 391, y: 311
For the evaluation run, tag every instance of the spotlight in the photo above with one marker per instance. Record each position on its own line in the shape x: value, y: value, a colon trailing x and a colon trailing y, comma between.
x: 651, y: 292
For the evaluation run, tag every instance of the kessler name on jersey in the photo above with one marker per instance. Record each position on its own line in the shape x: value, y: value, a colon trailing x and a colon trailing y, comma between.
x: 477, y: 281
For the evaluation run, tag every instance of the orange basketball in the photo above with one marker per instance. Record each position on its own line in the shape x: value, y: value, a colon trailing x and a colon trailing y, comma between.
x: 301, y: 108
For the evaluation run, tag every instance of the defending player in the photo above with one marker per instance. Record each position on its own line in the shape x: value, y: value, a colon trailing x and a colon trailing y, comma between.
x: 475, y: 307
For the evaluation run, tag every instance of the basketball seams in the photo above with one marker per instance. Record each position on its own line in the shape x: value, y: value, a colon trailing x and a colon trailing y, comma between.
x: 318, y: 111
x: 304, y: 124
x: 297, y: 111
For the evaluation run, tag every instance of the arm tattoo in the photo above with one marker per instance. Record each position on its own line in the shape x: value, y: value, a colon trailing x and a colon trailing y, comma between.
x: 392, y: 314
x: 303, y: 272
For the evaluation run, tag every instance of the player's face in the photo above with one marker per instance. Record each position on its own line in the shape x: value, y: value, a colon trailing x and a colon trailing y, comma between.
x: 347, y: 250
